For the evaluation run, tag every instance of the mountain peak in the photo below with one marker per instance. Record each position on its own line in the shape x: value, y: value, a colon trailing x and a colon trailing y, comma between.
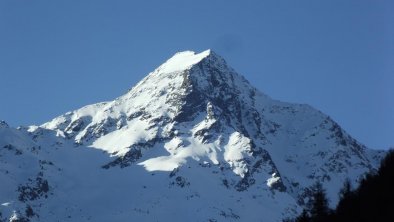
x: 184, y: 60
x: 209, y: 136
x: 196, y: 106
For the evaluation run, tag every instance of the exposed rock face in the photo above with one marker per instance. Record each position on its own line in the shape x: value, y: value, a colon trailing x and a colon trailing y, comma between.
x: 3, y: 124
x: 195, y: 137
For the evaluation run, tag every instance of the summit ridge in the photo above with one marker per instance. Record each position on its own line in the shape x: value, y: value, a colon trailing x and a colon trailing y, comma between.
x: 183, y: 60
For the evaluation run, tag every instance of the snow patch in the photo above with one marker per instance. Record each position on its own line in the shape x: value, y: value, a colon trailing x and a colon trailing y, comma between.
x: 119, y: 141
x: 234, y: 152
x: 162, y: 163
x: 273, y: 180
x: 6, y: 204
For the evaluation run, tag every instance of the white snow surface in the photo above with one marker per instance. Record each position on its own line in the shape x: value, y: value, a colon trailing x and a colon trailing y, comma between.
x: 192, y: 141
x: 273, y: 180
x: 182, y: 61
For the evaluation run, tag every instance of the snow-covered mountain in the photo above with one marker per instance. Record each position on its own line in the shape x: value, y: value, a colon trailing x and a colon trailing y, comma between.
x: 192, y: 141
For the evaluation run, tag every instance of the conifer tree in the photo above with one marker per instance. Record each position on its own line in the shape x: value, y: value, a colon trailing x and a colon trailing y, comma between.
x: 304, y: 217
x: 319, y: 207
x: 372, y: 201
x: 346, y: 207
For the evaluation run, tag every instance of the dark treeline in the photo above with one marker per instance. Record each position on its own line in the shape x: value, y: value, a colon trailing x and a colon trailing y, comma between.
x: 372, y: 201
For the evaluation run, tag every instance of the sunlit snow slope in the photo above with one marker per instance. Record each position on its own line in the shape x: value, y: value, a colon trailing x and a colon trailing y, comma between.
x: 192, y: 141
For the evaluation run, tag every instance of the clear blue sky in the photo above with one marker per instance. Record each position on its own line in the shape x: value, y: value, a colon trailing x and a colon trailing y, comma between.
x: 337, y: 55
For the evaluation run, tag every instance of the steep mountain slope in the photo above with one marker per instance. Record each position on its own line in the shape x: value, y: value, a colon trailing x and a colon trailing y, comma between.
x: 192, y: 141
